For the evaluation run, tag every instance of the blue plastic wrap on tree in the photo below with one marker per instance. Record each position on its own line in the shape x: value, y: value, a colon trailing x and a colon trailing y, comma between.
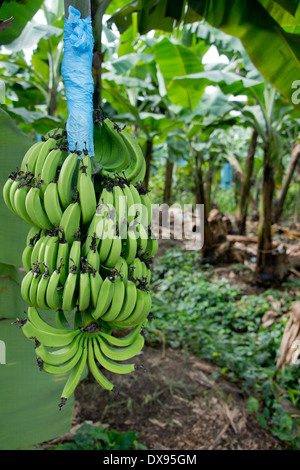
x: 79, y: 84
x: 226, y: 176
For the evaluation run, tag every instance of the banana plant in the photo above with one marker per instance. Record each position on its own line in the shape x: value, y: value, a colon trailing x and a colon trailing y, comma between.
x: 264, y: 27
x: 34, y: 89
x: 14, y: 16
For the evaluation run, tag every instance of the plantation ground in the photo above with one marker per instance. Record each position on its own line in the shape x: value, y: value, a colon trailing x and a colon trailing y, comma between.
x: 175, y: 404
x: 182, y: 401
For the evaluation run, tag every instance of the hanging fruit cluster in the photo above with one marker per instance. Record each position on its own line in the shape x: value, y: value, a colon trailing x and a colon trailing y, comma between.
x: 88, y: 252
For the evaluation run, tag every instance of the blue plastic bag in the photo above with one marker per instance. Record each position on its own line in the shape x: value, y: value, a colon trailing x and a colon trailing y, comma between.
x: 226, y: 176
x: 79, y: 84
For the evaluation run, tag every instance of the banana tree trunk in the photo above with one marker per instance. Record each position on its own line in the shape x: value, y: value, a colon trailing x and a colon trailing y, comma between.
x: 297, y: 204
x: 279, y: 202
x: 84, y: 6
x: 265, y: 270
x: 148, y: 157
x: 208, y: 246
x: 208, y: 190
x: 168, y: 182
x: 242, y: 209
x: 76, y: 72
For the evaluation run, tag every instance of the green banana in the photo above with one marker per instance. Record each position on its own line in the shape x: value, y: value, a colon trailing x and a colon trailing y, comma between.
x: 69, y: 292
x: 115, y: 252
x: 63, y: 253
x: 146, y: 309
x: 54, y: 294
x: 138, y: 268
x: 122, y: 354
x: 42, y: 289
x: 40, y: 324
x: 106, y: 200
x: 45, y: 150
x: 129, y: 201
x: 142, y: 240
x: 16, y: 183
x: 87, y: 197
x: 130, y: 246
x: 35, y: 209
x: 68, y: 365
x: 106, y: 232
x: 52, y: 203
x: 19, y: 202
x: 116, y: 303
x: 117, y: 300
x: 94, y: 369
x: 33, y: 233
x: 47, y: 338
x: 61, y: 319
x: 135, y: 168
x: 84, y: 295
x: 50, y: 251
x: 74, y: 377
x: 59, y: 356
x: 27, y: 252
x: 146, y: 201
x: 105, y: 297
x: 138, y: 309
x: 109, y: 364
x: 129, y: 301
x: 25, y: 285
x: 96, y: 282
x: 36, y: 249
x: 120, y: 205
x: 125, y: 340
x: 65, y: 189
x: 6, y: 193
x: 93, y: 233
x: 30, y: 158
x: 70, y: 221
x: 34, y: 286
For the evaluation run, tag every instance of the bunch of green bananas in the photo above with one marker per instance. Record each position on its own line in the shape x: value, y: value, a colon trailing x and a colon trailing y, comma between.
x: 88, y: 249
x: 68, y: 349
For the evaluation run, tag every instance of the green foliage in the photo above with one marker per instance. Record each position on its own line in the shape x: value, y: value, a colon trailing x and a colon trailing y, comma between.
x: 262, y: 28
x: 89, y: 437
x: 213, y: 319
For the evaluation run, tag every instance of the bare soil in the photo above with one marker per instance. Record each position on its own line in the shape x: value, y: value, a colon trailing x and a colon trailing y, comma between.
x: 177, y: 403
x: 174, y: 404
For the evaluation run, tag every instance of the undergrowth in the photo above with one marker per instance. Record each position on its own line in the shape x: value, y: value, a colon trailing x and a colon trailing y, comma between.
x: 89, y: 437
x: 215, y: 320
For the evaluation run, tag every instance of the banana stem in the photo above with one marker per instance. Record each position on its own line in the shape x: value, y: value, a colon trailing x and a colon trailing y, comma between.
x: 84, y: 6
x: 76, y: 72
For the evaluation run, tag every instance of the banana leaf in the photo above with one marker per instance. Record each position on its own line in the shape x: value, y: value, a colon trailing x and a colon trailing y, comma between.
x: 271, y: 47
x: 13, y: 145
x: 21, y: 13
x: 175, y: 60
x: 29, y: 398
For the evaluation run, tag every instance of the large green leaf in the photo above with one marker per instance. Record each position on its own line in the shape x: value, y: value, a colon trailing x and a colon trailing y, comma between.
x: 274, y: 51
x: 28, y: 398
x: 175, y: 60
x: 288, y: 5
x: 270, y: 48
x: 31, y: 35
x: 229, y: 82
x: 289, y: 19
x: 13, y: 145
x: 22, y: 13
